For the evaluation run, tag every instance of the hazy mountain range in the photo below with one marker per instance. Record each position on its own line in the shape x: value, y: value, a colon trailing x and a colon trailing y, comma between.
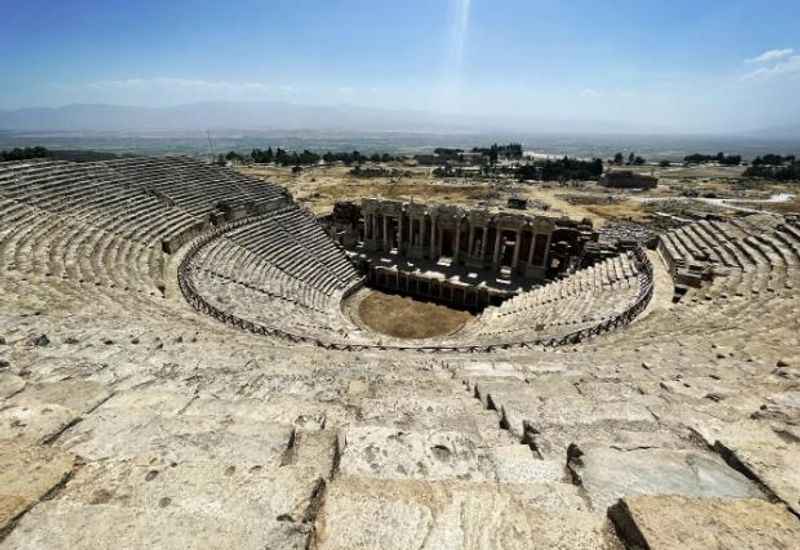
x: 288, y: 116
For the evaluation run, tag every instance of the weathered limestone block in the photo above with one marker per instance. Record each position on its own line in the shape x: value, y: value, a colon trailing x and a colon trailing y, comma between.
x: 119, y: 434
x: 315, y: 450
x: 34, y: 423
x: 430, y: 411
x: 679, y: 522
x: 78, y: 395
x: 418, y: 515
x: 263, y: 499
x: 609, y: 474
x: 517, y: 401
x: 517, y: 464
x: 10, y: 384
x: 63, y: 524
x: 387, y: 453
x: 770, y: 457
x: 302, y: 413
x: 26, y: 475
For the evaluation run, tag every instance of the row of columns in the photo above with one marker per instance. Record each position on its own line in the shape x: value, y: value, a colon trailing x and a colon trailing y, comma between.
x: 426, y: 226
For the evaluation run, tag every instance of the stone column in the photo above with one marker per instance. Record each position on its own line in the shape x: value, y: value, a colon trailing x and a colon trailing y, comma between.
x: 533, y: 247
x: 517, y: 247
x: 547, y: 250
x: 433, y: 238
x: 400, y: 233
x: 484, y: 234
x: 374, y: 232
x: 496, y: 258
x: 471, y: 248
x: 458, y: 241
x: 385, y: 233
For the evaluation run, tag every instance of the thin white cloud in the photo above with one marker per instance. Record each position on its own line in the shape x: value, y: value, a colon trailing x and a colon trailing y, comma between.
x: 771, y: 55
x: 785, y: 68
x: 590, y: 92
x: 212, y: 87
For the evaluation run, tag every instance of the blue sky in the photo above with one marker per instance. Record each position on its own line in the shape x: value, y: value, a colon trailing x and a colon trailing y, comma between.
x: 679, y: 65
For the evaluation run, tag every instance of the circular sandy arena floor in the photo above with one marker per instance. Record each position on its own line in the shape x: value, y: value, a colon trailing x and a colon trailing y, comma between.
x: 403, y: 317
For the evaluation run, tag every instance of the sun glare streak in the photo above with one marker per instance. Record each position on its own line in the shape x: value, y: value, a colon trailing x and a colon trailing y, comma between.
x: 450, y: 95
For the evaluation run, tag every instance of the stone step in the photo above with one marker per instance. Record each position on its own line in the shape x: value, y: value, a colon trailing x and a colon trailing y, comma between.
x: 608, y: 474
x: 59, y: 524
x: 443, y: 515
x: 389, y: 453
x: 679, y: 522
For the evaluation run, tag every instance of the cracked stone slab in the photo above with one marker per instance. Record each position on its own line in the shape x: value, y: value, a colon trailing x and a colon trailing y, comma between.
x: 26, y: 475
x: 62, y: 524
x: 423, y: 411
x: 10, y: 384
x: 77, y: 395
x: 386, y: 453
x: 34, y: 423
x: 420, y: 515
x: 553, y: 442
x: 116, y: 433
x: 609, y: 474
x: 153, y: 401
x: 518, y: 402
x: 766, y: 456
x: 315, y: 450
x: 250, y: 495
x: 678, y: 523
x: 389, y: 453
x: 303, y: 414
x: 516, y: 463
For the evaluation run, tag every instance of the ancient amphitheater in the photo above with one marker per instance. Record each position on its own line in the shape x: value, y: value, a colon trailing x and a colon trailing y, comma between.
x: 177, y: 371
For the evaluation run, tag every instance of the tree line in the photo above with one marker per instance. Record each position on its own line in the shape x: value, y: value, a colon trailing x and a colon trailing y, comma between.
x: 721, y: 158
x: 24, y: 153
x: 773, y: 160
x: 282, y: 157
x: 512, y: 151
x: 561, y: 170
x: 71, y: 155
x: 787, y: 172
x: 633, y: 160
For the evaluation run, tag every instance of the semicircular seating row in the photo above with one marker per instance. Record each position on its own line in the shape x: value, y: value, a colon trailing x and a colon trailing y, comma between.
x: 101, y: 225
x: 265, y: 274
x: 752, y: 296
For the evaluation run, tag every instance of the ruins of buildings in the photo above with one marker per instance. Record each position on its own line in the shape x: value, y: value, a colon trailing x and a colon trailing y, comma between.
x: 177, y: 370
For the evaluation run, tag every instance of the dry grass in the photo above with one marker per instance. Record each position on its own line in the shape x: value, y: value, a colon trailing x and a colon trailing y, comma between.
x: 783, y: 208
x: 323, y: 187
x: 623, y: 211
x: 407, y: 318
